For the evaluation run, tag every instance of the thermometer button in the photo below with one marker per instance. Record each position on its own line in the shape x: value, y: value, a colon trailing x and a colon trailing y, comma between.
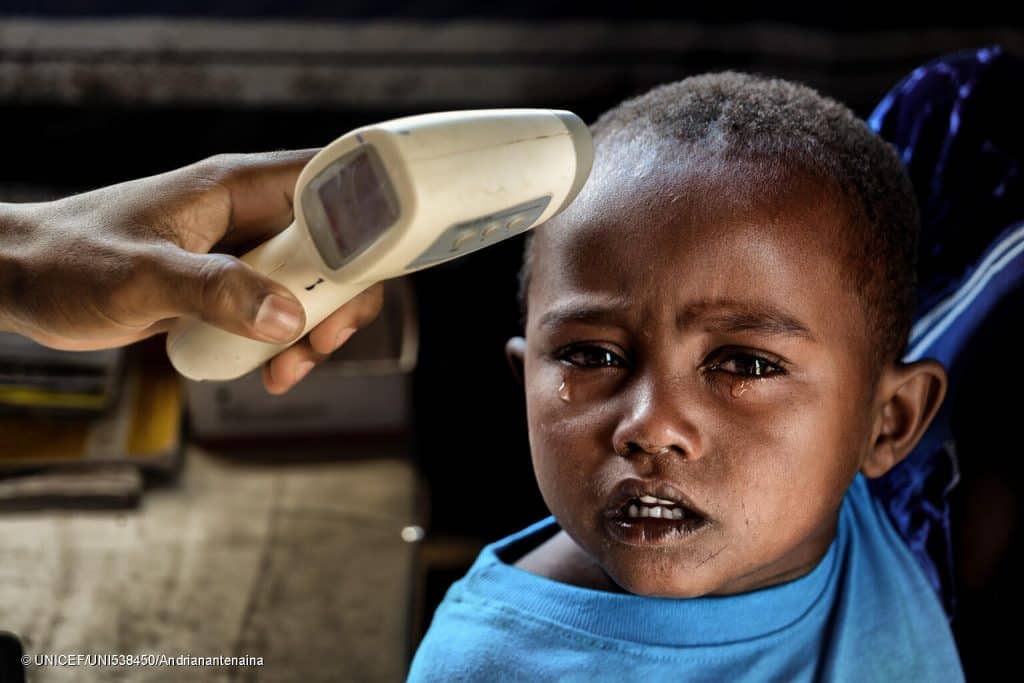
x: 475, y: 233
x: 492, y: 228
x: 518, y: 223
x: 462, y: 238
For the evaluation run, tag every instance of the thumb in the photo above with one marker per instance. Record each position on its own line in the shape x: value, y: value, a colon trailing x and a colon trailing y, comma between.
x: 224, y: 291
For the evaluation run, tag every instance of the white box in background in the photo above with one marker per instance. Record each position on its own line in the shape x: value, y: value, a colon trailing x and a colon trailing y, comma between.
x: 364, y: 388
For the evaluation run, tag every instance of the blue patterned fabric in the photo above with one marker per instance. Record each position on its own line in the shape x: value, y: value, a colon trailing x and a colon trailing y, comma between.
x: 955, y: 127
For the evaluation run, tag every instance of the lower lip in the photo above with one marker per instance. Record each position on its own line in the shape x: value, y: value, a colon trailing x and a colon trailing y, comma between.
x: 652, y: 531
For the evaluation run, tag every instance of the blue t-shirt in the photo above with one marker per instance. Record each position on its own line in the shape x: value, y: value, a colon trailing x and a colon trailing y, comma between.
x: 865, y: 613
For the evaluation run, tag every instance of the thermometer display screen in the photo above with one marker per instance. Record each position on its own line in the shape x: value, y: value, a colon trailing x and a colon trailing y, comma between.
x: 348, y: 205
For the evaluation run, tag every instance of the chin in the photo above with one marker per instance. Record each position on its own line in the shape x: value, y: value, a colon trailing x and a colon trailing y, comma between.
x: 683, y: 586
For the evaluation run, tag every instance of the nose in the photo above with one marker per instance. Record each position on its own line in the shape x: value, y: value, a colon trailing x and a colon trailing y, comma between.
x: 656, y: 423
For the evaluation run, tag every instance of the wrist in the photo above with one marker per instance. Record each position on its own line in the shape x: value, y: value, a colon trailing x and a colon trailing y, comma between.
x: 17, y: 231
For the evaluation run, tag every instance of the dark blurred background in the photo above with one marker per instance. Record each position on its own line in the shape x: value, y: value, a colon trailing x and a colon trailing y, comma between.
x: 97, y: 92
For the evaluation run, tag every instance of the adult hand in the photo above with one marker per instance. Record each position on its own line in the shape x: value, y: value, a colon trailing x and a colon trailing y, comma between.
x: 122, y: 263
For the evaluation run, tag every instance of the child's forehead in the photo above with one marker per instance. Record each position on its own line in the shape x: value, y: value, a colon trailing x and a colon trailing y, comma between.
x: 655, y: 227
x: 651, y: 175
x: 643, y: 189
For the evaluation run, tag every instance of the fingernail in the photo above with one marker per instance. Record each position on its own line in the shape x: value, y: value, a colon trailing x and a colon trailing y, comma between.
x: 302, y: 369
x: 343, y: 336
x: 279, y: 319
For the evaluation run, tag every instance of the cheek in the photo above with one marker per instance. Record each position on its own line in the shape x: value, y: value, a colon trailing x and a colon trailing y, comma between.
x: 563, y: 406
x: 789, y: 459
x: 568, y: 435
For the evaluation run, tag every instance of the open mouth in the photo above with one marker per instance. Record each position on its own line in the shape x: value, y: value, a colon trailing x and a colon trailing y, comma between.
x: 652, y: 512
x: 647, y: 506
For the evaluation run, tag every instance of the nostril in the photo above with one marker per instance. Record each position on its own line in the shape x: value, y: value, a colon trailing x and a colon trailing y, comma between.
x: 628, y: 449
x: 633, y: 447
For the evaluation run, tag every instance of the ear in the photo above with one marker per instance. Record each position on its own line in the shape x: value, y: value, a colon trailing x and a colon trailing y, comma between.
x: 910, y: 397
x: 515, y: 350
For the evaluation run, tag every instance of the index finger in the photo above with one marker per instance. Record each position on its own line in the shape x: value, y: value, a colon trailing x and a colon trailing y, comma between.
x: 261, y: 191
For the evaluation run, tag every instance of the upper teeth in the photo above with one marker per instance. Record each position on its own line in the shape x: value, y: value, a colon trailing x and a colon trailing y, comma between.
x: 651, y: 499
x: 655, y: 511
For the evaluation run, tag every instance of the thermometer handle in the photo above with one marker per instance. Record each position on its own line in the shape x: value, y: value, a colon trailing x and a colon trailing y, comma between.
x: 201, y: 351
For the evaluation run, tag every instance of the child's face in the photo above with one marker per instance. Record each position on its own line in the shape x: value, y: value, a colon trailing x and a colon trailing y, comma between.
x: 695, y: 336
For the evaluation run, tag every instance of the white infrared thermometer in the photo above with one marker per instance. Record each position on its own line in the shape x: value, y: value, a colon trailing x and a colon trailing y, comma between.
x: 393, y: 198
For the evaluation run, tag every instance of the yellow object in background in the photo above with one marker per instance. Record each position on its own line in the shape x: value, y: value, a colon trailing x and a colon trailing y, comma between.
x: 26, y: 396
x: 143, y: 427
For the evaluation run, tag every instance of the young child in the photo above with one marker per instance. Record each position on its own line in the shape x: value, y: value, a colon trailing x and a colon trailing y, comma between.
x: 711, y: 367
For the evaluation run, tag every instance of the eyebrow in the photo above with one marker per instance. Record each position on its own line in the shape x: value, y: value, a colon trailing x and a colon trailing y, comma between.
x: 579, y: 314
x: 722, y: 317
x: 731, y: 317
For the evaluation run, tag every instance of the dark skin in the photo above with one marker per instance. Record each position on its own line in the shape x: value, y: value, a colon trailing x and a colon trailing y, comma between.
x: 689, y: 323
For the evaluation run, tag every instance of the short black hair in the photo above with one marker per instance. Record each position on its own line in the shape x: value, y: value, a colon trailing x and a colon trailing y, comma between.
x: 747, y: 117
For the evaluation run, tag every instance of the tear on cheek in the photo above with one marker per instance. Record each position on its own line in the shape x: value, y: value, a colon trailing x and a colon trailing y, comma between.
x: 740, y: 388
x: 564, y: 390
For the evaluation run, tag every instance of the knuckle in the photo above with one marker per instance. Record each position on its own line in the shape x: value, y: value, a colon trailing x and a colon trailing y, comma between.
x: 370, y: 305
x: 321, y: 338
x: 220, y: 280
x: 220, y: 166
x: 214, y: 173
x: 235, y: 168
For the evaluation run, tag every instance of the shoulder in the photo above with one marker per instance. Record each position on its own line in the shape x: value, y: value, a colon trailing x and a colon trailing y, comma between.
x: 884, y: 603
x: 476, y: 634
x: 484, y: 629
x: 870, y: 545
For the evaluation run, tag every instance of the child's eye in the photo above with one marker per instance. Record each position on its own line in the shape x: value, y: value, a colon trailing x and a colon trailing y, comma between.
x: 590, y: 356
x: 747, y: 364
